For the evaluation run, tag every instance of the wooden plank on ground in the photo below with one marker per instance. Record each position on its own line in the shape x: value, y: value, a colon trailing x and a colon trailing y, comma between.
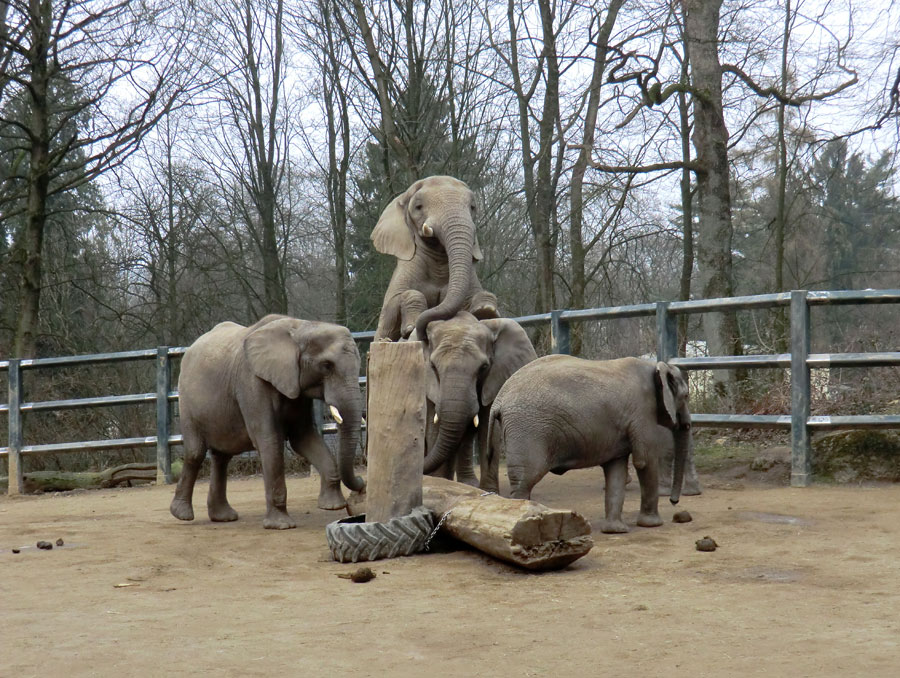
x: 518, y: 531
x: 396, y: 429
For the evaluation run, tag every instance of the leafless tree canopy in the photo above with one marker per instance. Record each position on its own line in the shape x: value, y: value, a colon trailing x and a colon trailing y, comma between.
x: 166, y: 165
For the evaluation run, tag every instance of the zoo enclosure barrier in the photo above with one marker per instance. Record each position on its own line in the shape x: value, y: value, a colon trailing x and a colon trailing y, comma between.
x: 799, y: 360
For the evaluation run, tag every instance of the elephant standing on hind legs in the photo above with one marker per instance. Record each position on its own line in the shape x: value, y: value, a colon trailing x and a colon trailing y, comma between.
x: 560, y: 413
x: 430, y: 229
x: 242, y: 388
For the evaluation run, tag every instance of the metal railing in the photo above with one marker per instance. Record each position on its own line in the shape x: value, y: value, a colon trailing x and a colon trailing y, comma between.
x: 799, y: 360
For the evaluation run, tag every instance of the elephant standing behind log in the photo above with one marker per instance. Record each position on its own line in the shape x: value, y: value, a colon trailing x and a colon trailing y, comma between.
x: 467, y: 361
x: 242, y: 388
x: 560, y: 413
x: 430, y: 229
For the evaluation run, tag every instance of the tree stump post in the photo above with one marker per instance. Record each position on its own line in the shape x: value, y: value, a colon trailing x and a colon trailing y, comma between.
x: 396, y: 429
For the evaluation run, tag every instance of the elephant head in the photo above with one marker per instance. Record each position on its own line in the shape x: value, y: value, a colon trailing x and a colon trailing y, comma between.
x: 672, y: 412
x: 434, y: 218
x: 313, y: 360
x: 467, y: 361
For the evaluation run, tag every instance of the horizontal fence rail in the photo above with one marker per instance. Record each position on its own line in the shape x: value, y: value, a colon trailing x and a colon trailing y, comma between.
x: 800, y: 361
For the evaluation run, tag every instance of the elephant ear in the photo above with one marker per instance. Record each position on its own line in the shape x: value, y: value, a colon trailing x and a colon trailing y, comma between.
x: 273, y: 352
x: 392, y: 235
x: 512, y: 350
x: 666, y: 402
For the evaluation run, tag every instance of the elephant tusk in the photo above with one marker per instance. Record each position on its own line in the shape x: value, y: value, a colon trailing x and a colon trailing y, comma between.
x: 475, y: 421
x: 362, y: 421
x: 435, y: 418
x: 336, y: 414
x: 427, y: 231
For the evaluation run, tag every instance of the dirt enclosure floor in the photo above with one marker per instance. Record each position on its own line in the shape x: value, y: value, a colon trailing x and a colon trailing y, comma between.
x: 806, y: 582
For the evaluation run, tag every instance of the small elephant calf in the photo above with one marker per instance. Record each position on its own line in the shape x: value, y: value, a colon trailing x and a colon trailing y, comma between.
x: 560, y: 413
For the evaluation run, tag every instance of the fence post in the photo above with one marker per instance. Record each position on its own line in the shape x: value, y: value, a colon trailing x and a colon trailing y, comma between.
x: 559, y: 334
x: 666, y: 333
x: 800, y: 391
x: 163, y: 420
x: 14, y: 451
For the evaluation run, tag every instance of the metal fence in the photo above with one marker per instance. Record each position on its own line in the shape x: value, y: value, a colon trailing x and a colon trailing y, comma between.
x: 799, y: 360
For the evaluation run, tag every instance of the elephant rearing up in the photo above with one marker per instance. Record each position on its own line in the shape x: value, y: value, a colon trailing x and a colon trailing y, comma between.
x: 430, y: 229
x: 252, y: 387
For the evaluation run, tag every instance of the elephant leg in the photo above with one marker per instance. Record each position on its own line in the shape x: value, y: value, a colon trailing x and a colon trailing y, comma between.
x: 412, y: 303
x: 194, y: 450
x: 310, y: 444
x: 388, y: 321
x: 271, y: 454
x: 483, y: 305
x: 649, y: 441
x: 615, y: 473
x: 465, y: 472
x: 216, y: 502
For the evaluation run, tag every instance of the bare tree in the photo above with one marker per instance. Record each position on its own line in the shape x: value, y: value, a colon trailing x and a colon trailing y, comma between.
x: 67, y: 65
x: 250, y: 128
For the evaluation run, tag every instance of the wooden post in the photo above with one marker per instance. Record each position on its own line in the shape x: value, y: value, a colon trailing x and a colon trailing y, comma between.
x: 396, y: 429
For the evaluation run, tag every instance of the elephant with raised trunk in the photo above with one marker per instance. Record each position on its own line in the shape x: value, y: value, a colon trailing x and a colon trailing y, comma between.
x: 253, y: 387
x: 560, y: 413
x: 467, y: 361
x: 430, y: 229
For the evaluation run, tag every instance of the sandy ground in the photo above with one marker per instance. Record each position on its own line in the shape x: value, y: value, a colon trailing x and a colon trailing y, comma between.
x: 806, y: 582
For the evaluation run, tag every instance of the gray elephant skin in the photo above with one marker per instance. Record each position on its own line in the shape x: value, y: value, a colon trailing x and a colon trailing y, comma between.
x: 467, y: 361
x: 560, y: 413
x: 430, y: 229
x: 244, y: 388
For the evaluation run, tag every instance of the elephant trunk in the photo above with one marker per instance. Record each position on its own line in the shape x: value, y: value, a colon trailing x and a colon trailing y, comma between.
x: 348, y: 401
x: 683, y: 441
x: 459, y: 244
x: 457, y: 410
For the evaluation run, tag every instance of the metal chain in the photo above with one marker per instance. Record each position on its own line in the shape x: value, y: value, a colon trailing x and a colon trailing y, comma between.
x: 444, y: 517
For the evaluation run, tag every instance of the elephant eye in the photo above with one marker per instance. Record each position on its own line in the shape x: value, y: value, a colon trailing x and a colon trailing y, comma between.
x: 327, y: 366
x: 483, y: 368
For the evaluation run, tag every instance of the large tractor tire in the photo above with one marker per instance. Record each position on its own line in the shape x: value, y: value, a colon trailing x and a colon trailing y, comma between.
x: 352, y: 540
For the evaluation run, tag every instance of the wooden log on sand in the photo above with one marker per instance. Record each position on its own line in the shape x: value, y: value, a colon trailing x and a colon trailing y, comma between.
x: 518, y: 531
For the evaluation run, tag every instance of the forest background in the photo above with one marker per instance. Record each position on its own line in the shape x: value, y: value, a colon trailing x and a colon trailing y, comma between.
x: 166, y: 165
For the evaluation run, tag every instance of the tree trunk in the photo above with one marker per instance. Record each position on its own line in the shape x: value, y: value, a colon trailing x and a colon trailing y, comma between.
x: 522, y: 532
x: 61, y: 481
x: 711, y: 143
x: 32, y: 244
x: 576, y: 218
x: 687, y: 207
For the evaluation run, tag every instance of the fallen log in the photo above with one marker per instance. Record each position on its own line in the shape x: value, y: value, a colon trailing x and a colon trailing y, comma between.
x: 60, y: 481
x: 518, y: 531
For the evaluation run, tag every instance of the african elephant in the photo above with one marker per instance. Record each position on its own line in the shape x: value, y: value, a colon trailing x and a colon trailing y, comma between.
x: 560, y: 413
x: 467, y: 361
x: 430, y: 229
x: 253, y: 387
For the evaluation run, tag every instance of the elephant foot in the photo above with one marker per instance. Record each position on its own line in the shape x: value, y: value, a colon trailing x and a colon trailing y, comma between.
x: 278, y: 520
x: 331, y: 500
x: 222, y: 513
x: 613, y: 527
x: 182, y: 509
x: 649, y: 520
